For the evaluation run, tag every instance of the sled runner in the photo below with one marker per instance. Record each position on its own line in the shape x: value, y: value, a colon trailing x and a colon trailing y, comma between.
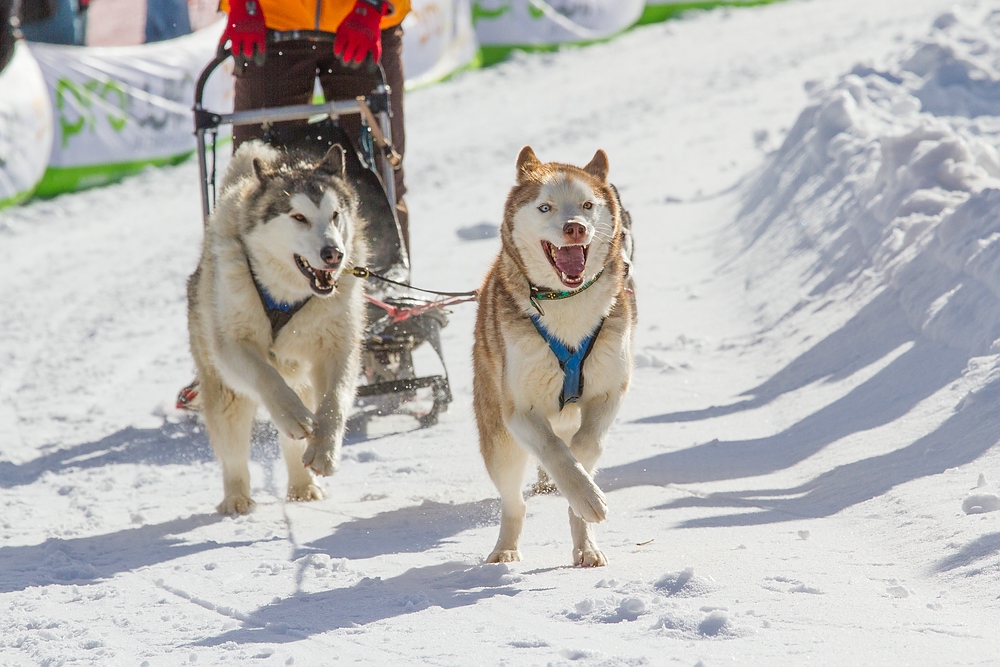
x: 398, y: 321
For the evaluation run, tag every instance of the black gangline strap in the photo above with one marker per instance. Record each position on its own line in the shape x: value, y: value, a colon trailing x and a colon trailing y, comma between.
x: 364, y: 272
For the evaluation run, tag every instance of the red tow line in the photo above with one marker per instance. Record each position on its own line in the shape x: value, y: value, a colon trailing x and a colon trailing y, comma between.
x: 397, y: 314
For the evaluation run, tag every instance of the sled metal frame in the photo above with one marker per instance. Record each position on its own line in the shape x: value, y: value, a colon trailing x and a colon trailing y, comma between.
x: 206, y: 121
x: 374, y: 112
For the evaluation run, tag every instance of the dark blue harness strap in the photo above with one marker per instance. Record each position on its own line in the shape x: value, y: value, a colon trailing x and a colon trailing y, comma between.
x: 278, y: 312
x: 570, y: 361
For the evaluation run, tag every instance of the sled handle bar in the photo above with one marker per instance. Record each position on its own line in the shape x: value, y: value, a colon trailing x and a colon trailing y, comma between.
x: 209, y: 120
x: 374, y: 111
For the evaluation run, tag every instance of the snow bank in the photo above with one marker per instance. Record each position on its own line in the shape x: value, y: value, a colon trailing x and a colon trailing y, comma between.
x: 888, y: 187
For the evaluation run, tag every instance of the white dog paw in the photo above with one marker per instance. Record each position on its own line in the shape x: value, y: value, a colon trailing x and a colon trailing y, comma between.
x: 320, y: 460
x: 587, y: 502
x: 294, y: 421
x: 504, y: 556
x: 236, y: 504
x: 589, y: 557
x: 305, y: 493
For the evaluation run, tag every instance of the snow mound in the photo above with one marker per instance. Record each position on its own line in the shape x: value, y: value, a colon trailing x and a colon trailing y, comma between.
x: 889, y: 183
x: 675, y: 602
x: 715, y: 623
x: 981, y: 503
x: 682, y: 584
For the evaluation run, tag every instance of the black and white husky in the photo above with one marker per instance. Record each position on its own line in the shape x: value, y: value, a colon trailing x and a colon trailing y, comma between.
x: 272, y: 321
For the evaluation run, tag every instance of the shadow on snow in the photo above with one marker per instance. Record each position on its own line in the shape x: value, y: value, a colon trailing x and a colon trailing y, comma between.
x: 86, y: 560
x: 875, y: 331
x: 890, y: 394
x: 979, y: 549
x: 447, y: 585
x: 913, y: 376
x: 180, y: 443
x: 406, y: 530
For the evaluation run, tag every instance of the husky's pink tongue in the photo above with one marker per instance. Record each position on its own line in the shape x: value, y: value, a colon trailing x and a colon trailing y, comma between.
x: 570, y: 260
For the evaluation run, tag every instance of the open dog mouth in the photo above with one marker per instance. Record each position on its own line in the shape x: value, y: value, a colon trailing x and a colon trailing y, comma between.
x: 321, y: 280
x: 568, y: 261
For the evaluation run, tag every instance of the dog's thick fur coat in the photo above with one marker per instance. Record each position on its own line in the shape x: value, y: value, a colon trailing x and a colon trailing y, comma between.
x: 555, y: 212
x: 279, y: 217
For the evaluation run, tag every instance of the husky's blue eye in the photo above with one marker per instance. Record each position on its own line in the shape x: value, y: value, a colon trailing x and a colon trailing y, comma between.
x: 544, y: 208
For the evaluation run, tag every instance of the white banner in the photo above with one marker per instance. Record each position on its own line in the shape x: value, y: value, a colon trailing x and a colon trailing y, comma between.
x: 121, y: 107
x: 438, y: 40
x: 551, y: 22
x: 25, y: 126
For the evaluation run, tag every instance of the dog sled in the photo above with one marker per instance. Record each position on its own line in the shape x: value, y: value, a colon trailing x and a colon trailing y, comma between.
x: 399, y: 321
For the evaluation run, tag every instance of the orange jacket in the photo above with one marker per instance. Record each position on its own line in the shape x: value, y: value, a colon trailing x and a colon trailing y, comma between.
x: 323, y: 15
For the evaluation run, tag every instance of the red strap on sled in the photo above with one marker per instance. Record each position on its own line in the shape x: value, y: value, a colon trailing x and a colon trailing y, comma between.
x: 187, y: 396
x: 397, y: 314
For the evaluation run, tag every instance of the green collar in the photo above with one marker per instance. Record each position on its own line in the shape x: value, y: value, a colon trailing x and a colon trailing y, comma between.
x: 540, y: 294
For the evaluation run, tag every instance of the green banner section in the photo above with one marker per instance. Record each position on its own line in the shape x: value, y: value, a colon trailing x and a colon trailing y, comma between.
x: 656, y: 13
x: 59, y: 180
x: 16, y: 199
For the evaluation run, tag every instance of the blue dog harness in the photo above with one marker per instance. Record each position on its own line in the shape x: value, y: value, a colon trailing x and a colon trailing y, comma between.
x: 570, y: 361
x: 278, y: 312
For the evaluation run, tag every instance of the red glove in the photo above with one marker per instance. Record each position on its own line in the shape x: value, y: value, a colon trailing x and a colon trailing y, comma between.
x: 246, y: 30
x: 359, y: 34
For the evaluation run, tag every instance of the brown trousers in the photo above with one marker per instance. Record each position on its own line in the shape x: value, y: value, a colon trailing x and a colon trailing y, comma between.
x: 288, y: 77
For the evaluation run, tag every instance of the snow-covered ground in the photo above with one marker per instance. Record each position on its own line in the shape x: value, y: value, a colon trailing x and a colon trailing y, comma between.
x: 803, y: 472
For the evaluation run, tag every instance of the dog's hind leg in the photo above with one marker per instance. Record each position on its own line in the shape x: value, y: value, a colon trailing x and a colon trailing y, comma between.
x: 229, y: 420
x: 506, y: 463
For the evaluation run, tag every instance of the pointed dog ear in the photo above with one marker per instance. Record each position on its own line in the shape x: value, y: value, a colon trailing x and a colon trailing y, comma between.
x: 259, y: 170
x: 598, y: 166
x: 335, y: 160
x: 526, y: 163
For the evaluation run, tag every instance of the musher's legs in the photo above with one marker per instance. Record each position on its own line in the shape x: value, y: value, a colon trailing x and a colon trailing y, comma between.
x: 288, y: 77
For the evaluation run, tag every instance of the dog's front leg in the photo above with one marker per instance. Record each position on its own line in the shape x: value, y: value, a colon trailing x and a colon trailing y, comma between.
x: 535, y: 434
x: 247, y: 371
x: 322, y: 453
x: 302, y: 485
x: 587, y: 445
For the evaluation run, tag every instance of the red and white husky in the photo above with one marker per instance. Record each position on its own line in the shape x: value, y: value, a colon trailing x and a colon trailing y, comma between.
x: 552, y: 354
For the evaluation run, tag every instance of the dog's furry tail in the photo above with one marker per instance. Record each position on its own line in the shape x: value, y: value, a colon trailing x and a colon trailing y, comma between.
x: 242, y: 163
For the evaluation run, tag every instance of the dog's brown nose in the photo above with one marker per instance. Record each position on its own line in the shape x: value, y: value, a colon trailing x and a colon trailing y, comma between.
x: 331, y: 256
x: 574, y: 232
